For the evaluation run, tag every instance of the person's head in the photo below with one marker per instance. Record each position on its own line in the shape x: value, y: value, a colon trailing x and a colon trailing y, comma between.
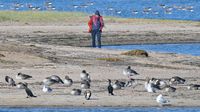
x: 97, y: 13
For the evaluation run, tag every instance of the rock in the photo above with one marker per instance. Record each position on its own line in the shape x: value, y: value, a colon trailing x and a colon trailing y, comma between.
x: 136, y: 52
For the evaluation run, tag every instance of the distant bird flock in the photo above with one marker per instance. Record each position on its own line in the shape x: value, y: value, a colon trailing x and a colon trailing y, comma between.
x: 74, y: 6
x: 151, y: 85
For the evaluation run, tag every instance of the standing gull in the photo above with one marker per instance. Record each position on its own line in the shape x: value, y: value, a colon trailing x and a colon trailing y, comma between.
x: 110, y: 88
x: 161, y: 100
x: 85, y: 76
x: 87, y: 94
x: 129, y: 72
x: 68, y: 82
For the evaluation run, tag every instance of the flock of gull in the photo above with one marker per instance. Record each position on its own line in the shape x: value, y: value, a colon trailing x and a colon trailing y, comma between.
x: 155, y: 10
x: 151, y: 85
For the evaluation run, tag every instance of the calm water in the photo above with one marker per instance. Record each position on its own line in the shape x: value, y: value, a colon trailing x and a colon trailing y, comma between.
x: 161, y: 9
x: 99, y: 109
x: 191, y: 49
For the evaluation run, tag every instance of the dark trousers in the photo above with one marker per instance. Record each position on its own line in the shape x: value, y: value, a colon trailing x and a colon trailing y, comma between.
x: 96, y: 35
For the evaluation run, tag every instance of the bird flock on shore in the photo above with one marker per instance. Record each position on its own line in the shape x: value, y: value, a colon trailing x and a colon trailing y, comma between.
x: 151, y: 85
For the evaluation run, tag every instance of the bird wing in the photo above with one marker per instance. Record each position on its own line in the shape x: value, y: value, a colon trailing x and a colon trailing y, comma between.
x: 7, y: 78
x: 29, y: 92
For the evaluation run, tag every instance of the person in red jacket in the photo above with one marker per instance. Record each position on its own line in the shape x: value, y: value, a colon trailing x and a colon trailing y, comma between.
x: 96, y: 25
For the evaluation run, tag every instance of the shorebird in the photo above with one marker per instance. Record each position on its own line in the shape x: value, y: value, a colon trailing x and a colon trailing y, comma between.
x: 10, y: 81
x: 150, y: 86
x: 76, y: 92
x: 176, y: 80
x: 22, y: 85
x: 29, y: 92
x: 129, y: 72
x: 110, y: 88
x: 161, y: 100
x: 118, y: 84
x: 67, y: 81
x: 87, y: 94
x: 85, y: 84
x: 131, y: 82
x: 46, y: 89
x: 193, y: 87
x: 48, y: 81
x: 85, y: 76
x: 23, y: 76
x: 57, y: 78
x: 168, y: 88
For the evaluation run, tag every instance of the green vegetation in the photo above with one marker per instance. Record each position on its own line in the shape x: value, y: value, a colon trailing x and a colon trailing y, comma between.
x: 136, y: 52
x: 54, y: 16
x: 42, y: 16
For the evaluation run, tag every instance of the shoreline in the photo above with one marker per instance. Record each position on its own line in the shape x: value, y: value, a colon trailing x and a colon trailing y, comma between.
x: 42, y: 51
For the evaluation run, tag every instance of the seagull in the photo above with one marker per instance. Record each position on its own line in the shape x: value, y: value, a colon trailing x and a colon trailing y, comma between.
x: 193, y: 87
x: 150, y: 86
x: 22, y: 85
x: 168, y: 88
x: 46, y: 89
x: 161, y: 100
x: 131, y: 82
x: 110, y: 88
x: 29, y: 93
x: 57, y: 78
x: 87, y: 94
x: 118, y: 84
x: 68, y: 82
x: 10, y: 81
x: 85, y: 84
x: 76, y: 92
x: 23, y: 76
x: 129, y: 72
x: 85, y: 76
x: 48, y: 81
x: 177, y: 80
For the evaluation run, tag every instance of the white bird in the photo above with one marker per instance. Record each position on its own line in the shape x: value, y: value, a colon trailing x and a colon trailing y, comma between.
x: 129, y: 72
x: 67, y: 81
x: 85, y: 76
x: 161, y: 100
x: 46, y: 89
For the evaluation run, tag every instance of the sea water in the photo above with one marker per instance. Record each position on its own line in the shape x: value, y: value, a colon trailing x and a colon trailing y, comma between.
x: 189, y: 49
x: 154, y: 9
x: 103, y: 109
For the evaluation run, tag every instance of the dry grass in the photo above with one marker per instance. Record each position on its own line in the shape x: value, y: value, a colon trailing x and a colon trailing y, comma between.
x: 110, y: 59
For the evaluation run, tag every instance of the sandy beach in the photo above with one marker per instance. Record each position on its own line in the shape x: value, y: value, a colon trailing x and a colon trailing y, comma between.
x: 45, y: 49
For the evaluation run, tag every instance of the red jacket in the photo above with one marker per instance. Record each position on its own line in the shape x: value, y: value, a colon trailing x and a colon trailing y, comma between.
x: 93, y: 20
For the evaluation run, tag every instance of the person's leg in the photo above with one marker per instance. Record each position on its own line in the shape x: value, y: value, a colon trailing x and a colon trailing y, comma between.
x: 93, y: 34
x: 99, y: 39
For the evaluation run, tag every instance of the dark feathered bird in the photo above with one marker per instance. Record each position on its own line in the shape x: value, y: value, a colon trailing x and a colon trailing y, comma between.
x: 57, y: 78
x: 85, y: 84
x: 10, y: 81
x: 110, y: 88
x: 23, y: 76
x: 29, y: 93
x: 87, y: 94
x: 177, y: 80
